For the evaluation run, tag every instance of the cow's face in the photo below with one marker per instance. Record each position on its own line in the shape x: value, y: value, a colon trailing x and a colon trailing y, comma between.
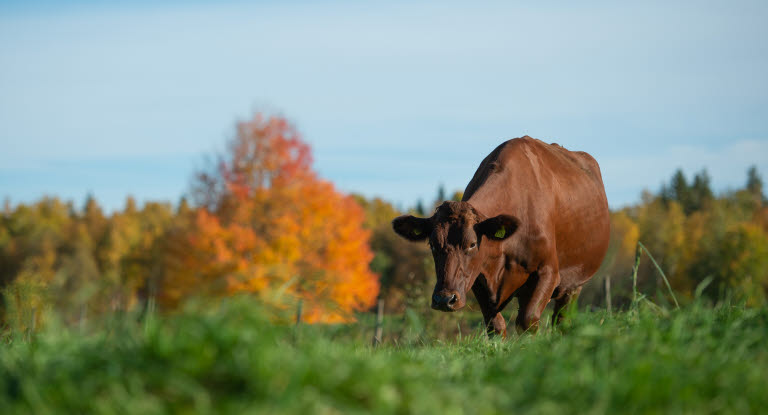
x: 459, y: 237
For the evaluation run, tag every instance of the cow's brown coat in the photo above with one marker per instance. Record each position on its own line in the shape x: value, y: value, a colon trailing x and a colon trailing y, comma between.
x: 551, y: 203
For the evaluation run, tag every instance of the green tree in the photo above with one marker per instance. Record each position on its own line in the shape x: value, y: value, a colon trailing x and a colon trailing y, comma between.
x: 404, y: 268
x: 441, y: 195
x: 700, y: 192
x: 419, y: 209
x: 680, y: 189
x: 755, y: 184
x: 741, y: 265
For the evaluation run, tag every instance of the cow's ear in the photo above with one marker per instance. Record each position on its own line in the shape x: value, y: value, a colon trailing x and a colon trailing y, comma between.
x: 412, y: 228
x: 498, y: 228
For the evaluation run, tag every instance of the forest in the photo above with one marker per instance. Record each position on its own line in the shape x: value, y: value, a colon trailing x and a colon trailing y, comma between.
x: 259, y: 221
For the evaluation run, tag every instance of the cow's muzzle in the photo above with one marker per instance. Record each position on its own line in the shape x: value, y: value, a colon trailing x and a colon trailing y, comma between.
x: 445, y: 301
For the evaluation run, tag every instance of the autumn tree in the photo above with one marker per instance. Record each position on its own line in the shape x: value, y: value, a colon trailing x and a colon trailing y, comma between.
x: 266, y: 224
x: 31, y: 243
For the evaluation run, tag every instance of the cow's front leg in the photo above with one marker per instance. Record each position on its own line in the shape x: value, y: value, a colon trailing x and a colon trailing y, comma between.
x: 494, y: 321
x: 496, y: 325
x: 536, y: 297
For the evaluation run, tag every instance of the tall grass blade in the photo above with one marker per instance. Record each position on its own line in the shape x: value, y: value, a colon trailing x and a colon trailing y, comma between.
x: 666, y: 281
x: 638, y: 252
x: 703, y: 286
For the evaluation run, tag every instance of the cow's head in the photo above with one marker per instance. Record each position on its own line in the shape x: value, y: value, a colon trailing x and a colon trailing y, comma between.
x: 460, y: 238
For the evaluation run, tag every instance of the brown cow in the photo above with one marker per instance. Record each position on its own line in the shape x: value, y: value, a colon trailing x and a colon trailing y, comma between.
x: 533, y: 224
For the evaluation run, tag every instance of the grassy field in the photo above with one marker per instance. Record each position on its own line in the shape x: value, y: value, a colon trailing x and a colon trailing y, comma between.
x: 228, y: 359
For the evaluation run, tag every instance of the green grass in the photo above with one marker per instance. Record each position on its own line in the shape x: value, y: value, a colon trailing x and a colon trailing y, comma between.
x: 229, y: 359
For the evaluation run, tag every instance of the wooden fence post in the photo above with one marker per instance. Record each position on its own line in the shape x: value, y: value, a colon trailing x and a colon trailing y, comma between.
x: 379, y: 319
x: 33, y: 323
x: 635, y: 268
x: 83, y: 312
x: 297, y: 326
x: 298, y: 311
x: 608, y: 293
x: 30, y: 331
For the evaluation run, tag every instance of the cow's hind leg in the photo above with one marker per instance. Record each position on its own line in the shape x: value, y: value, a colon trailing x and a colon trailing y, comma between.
x: 562, y: 301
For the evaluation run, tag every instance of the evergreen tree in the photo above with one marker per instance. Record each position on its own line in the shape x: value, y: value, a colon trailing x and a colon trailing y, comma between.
x: 680, y: 190
x: 700, y: 192
x: 755, y: 183
x: 440, y: 195
x: 665, y: 194
x: 420, y: 208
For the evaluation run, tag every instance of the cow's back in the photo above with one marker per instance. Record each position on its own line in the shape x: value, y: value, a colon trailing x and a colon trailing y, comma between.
x: 553, y: 191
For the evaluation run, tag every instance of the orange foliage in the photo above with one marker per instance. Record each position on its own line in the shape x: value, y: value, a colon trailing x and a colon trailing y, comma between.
x: 274, y: 226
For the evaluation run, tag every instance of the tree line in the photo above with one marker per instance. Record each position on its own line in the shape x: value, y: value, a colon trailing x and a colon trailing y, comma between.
x: 709, y: 246
x: 260, y: 221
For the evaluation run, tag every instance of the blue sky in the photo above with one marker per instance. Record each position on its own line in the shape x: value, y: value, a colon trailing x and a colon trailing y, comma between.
x: 394, y: 97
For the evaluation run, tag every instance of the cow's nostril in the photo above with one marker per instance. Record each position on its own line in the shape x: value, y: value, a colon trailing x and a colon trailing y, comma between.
x: 445, y: 302
x: 452, y: 300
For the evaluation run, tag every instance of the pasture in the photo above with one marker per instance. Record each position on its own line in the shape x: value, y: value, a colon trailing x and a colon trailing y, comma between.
x: 228, y: 359
x: 229, y: 207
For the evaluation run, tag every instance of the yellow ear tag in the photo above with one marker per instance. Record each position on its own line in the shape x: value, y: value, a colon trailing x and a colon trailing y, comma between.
x: 417, y: 231
x: 500, y: 233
